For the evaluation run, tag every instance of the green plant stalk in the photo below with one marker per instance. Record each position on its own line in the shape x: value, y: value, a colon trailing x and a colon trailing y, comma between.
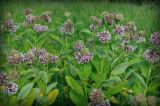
x: 150, y: 70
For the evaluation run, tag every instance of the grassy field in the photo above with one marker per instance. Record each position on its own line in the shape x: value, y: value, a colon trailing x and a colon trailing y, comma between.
x: 145, y: 16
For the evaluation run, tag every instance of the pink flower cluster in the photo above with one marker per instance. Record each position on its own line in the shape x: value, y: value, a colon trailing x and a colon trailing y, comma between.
x: 82, y: 54
x: 2, y: 78
x: 97, y: 98
x: 155, y: 39
x: 9, y: 25
x: 67, y: 27
x: 112, y: 18
x: 120, y: 30
x: 30, y: 56
x: 40, y: 28
x: 128, y: 48
x: 30, y: 19
x: 79, y: 45
x: 96, y: 22
x: 152, y: 56
x: 104, y: 36
x: 139, y: 38
x: 130, y: 27
x: 11, y: 88
x: 46, y: 17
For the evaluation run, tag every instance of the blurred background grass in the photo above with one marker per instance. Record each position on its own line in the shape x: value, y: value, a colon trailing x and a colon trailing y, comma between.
x: 146, y: 16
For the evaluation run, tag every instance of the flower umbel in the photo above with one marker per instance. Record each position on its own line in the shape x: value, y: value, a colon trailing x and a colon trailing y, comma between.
x: 67, y: 27
x: 120, y: 30
x: 151, y: 56
x: 11, y: 88
x: 130, y: 27
x: 15, y: 57
x: 9, y: 25
x: 79, y: 45
x: 83, y: 56
x: 40, y: 28
x: 98, y: 99
x: 46, y: 17
x: 2, y: 78
x: 155, y: 38
x: 104, y: 36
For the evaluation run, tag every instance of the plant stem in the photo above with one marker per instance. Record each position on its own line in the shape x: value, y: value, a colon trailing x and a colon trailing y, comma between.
x: 150, y: 70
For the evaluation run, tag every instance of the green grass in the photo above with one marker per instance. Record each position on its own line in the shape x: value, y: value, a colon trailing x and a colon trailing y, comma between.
x: 145, y: 16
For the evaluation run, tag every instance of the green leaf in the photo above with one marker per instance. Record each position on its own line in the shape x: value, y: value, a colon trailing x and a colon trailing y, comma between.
x: 73, y: 70
x: 114, y: 100
x: 100, y: 52
x: 28, y: 73
x: 36, y: 92
x: 25, y: 91
x: 52, y: 96
x: 44, y: 76
x: 4, y: 48
x: 56, y: 38
x: 153, y: 86
x: 30, y: 43
x: 84, y: 71
x: 78, y: 99
x: 119, y: 69
x: 12, y: 101
x: 144, y: 66
x: 135, y: 60
x: 98, y: 77
x: 28, y: 101
x: 107, y: 83
x: 86, y: 31
x: 139, y: 79
x: 51, y: 86
x: 119, y: 87
x: 42, y: 86
x: 95, y: 63
x: 115, y: 78
x: 74, y: 84
x: 116, y: 59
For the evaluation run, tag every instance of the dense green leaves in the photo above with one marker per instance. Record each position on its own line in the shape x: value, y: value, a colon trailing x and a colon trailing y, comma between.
x: 78, y: 99
x: 74, y: 84
x: 119, y: 87
x: 51, y: 86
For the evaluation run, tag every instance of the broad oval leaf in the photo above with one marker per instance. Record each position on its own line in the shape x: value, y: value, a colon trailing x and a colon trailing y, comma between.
x: 79, y: 100
x: 28, y: 101
x: 74, y: 84
x: 119, y: 69
x: 51, y: 86
x: 25, y: 91
x: 52, y: 96
x: 84, y: 71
